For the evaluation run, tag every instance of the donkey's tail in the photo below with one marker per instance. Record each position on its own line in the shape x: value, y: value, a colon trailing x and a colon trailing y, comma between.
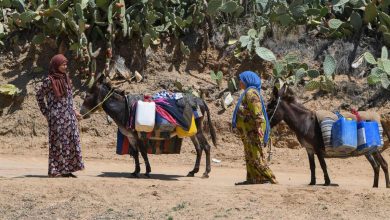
x: 386, y: 131
x: 211, y: 126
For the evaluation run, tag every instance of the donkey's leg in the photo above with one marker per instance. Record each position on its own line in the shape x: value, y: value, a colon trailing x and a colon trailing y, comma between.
x: 375, y: 166
x: 321, y: 159
x: 198, y: 157
x: 144, y: 154
x: 312, y: 168
x: 385, y: 168
x: 137, y: 164
x: 382, y: 163
x: 206, y: 147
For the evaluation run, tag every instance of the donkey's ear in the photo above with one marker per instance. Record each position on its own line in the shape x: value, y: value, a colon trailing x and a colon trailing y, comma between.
x: 275, y: 91
x: 289, y: 91
x: 99, y: 78
x: 283, y: 90
x: 107, y: 80
x: 95, y: 79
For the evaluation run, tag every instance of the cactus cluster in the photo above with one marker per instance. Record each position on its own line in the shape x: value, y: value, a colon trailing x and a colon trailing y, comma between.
x: 80, y: 23
x: 290, y: 70
x: 84, y: 24
x: 331, y: 19
x: 217, y: 77
x: 381, y: 71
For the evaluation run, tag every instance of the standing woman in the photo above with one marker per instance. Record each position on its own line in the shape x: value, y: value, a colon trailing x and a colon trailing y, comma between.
x: 250, y: 118
x: 64, y: 140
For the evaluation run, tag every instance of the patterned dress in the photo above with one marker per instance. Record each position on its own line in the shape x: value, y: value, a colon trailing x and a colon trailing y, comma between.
x: 250, y: 124
x: 64, y: 140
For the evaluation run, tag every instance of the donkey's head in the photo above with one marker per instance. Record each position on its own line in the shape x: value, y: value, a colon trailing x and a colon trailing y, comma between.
x: 276, y: 106
x: 94, y: 96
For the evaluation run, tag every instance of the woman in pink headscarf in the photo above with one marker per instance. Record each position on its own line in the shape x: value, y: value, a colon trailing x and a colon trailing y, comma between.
x: 64, y: 140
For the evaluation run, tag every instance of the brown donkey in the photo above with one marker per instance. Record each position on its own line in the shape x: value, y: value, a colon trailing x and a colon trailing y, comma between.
x: 283, y: 107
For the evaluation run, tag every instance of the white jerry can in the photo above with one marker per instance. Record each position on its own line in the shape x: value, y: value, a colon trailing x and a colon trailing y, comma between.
x: 145, y: 116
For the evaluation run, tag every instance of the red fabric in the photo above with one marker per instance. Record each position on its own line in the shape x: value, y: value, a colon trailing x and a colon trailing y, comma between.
x: 125, y: 146
x: 60, y: 81
x: 356, y: 113
x: 148, y: 98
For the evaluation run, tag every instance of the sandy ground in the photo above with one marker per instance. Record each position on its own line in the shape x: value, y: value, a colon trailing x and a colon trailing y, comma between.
x: 105, y: 191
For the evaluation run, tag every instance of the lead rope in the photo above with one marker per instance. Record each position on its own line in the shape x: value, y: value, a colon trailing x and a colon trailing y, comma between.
x: 270, y: 152
x: 277, y: 105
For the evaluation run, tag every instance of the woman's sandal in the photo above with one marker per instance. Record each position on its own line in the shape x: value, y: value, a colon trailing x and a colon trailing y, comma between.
x: 246, y: 182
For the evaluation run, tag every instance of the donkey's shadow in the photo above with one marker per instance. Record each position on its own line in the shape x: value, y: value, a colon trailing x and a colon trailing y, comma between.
x: 152, y: 176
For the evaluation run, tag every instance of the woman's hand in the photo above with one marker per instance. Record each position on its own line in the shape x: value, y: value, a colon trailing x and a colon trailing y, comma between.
x: 260, y: 132
x: 47, y: 117
x: 78, y: 115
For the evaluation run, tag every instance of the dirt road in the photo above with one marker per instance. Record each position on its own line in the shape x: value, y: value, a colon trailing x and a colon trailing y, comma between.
x: 104, y: 191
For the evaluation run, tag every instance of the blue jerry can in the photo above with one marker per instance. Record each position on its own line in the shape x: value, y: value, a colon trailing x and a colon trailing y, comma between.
x: 344, y: 135
x: 368, y: 135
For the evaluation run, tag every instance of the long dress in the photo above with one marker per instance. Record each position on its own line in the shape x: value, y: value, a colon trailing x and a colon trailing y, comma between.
x: 250, y: 124
x: 64, y: 140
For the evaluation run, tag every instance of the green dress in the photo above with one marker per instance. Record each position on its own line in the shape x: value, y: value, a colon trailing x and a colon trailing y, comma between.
x: 251, y: 124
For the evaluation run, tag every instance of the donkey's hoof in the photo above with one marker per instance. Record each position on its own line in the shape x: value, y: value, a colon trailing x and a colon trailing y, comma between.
x: 312, y: 183
x: 330, y: 184
x: 190, y: 174
x: 205, y: 175
x: 135, y: 175
x: 147, y: 175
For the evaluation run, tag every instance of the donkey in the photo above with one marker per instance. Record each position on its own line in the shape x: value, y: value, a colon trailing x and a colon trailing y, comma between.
x: 284, y: 107
x: 114, y: 104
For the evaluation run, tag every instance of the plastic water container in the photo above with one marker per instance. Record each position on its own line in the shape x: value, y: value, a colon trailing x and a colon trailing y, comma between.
x: 344, y: 135
x: 368, y: 135
x: 163, y: 125
x: 145, y: 116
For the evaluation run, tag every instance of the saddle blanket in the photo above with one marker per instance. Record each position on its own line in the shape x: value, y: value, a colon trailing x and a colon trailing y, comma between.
x: 326, y: 120
x: 165, y: 146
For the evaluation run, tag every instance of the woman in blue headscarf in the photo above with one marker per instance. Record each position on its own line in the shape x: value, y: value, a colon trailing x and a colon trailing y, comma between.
x: 250, y: 118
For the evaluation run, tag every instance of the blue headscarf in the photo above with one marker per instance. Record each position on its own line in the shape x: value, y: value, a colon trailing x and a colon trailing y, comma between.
x: 252, y: 81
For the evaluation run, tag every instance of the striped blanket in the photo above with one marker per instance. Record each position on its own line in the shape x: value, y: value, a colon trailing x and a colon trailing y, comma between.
x: 165, y: 146
x: 365, y: 115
